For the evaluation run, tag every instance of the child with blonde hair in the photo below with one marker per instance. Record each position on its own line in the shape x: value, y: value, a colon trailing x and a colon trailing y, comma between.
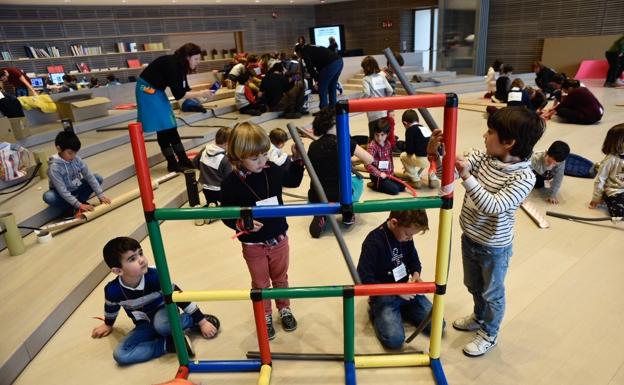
x: 255, y: 181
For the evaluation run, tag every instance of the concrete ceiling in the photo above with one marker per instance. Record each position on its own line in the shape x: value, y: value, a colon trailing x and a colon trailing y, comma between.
x: 169, y: 2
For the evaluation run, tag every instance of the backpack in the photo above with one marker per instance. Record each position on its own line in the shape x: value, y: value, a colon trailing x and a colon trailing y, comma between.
x: 576, y: 165
x: 14, y: 162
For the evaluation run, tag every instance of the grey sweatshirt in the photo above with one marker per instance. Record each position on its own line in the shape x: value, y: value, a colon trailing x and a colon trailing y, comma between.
x: 610, y: 177
x: 376, y: 86
x: 538, y: 164
x: 66, y: 177
x: 213, y: 167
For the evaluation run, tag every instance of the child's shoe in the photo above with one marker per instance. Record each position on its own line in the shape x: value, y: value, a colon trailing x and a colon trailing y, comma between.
x: 434, y: 182
x: 170, y: 346
x: 317, y: 226
x: 289, y: 323
x: 209, y: 221
x: 480, y: 345
x: 416, y: 183
x: 269, y: 324
x: 213, y: 320
x: 468, y: 323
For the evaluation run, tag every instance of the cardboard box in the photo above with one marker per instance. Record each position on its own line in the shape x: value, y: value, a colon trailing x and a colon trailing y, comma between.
x: 82, y: 107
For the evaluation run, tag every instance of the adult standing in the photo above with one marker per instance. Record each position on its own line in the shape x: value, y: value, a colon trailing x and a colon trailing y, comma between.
x: 154, y: 110
x: 333, y: 45
x: 325, y: 66
x: 19, y: 80
x: 615, y: 57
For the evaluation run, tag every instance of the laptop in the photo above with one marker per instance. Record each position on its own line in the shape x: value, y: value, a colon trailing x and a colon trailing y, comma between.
x: 57, y: 78
x: 37, y: 82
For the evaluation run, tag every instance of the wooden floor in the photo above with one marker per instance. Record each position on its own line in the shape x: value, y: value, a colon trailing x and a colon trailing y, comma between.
x: 564, y: 292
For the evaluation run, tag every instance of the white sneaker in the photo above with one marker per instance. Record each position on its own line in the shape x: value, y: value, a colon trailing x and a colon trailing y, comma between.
x: 434, y: 182
x: 468, y: 323
x: 480, y: 344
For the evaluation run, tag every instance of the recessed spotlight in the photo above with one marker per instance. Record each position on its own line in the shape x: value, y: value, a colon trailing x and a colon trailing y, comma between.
x: 217, y: 1
x: 292, y: 1
x: 66, y: 1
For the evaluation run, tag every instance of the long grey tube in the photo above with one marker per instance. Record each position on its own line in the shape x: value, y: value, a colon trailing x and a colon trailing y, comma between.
x: 408, y: 87
x: 316, y: 184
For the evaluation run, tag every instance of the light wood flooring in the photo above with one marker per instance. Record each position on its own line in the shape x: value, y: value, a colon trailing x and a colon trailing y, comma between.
x: 563, y: 323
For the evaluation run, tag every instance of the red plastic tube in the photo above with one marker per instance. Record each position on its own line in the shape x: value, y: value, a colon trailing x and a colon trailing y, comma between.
x: 142, y: 167
x: 395, y: 288
x: 397, y: 102
x: 261, y: 331
x: 183, y: 372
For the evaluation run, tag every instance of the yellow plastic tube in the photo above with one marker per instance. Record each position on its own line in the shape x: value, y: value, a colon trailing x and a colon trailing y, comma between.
x: 213, y: 295
x: 441, y: 275
x: 265, y: 375
x: 388, y: 361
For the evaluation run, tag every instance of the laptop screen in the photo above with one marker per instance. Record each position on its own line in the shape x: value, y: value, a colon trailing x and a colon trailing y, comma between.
x: 57, y: 78
x: 36, y: 82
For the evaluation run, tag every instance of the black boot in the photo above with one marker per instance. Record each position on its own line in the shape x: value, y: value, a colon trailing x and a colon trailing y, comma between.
x: 172, y: 163
x: 183, y: 160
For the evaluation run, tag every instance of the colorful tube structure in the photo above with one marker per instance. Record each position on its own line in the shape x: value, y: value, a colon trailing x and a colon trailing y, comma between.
x: 346, y: 207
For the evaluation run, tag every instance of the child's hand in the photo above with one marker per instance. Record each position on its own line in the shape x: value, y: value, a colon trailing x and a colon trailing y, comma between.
x: 257, y: 226
x: 594, y: 204
x: 552, y: 200
x: 105, y: 199
x: 294, y: 152
x: 413, y: 278
x: 435, y: 142
x: 463, y: 167
x: 207, y: 329
x: 86, y: 207
x: 383, y: 175
x: 101, y: 331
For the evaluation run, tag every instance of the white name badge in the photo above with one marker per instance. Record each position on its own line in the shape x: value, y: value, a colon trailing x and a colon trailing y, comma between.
x: 378, y: 83
x: 399, y: 272
x: 384, y: 164
x: 547, y: 183
x: 272, y: 201
x: 514, y: 96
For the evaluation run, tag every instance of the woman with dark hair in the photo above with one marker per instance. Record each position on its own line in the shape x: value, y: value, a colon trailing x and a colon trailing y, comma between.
x: 153, y: 108
x: 323, y: 154
x: 543, y: 76
x: 578, y: 105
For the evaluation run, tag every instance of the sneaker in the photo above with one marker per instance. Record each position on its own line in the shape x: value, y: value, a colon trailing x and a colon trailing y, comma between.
x: 468, y: 323
x: 199, y: 222
x: 211, y: 205
x: 170, y: 345
x: 416, y: 183
x: 480, y: 344
x: 349, y: 221
x: 434, y: 182
x: 213, y: 320
x: 269, y: 324
x: 317, y: 226
x: 289, y: 323
x: 609, y: 84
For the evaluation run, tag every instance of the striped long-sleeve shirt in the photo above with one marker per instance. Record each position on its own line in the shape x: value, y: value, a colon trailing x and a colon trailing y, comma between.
x: 141, y: 302
x: 493, y: 193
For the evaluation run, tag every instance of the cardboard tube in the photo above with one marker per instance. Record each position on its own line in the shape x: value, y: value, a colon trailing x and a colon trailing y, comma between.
x: 20, y: 129
x: 12, y: 235
x: 115, y: 203
x: 42, y: 157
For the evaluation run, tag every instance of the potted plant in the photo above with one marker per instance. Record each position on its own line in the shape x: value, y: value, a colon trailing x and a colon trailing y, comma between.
x: 224, y: 53
x: 233, y: 52
x: 214, y: 53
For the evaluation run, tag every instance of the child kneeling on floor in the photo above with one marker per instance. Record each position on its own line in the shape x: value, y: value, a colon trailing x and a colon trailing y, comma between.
x: 137, y: 289
x: 389, y: 256
x: 71, y: 182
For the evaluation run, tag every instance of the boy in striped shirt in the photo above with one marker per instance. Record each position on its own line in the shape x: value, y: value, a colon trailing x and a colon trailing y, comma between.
x: 496, y: 182
x: 137, y: 290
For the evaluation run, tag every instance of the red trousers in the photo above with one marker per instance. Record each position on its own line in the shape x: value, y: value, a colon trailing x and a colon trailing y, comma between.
x: 268, y: 265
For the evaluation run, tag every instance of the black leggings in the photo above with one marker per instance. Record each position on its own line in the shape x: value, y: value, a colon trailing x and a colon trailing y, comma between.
x: 615, y: 204
x: 168, y: 138
x: 387, y: 186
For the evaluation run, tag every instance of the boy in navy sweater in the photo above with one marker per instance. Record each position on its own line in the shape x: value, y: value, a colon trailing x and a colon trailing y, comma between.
x: 137, y: 290
x: 389, y: 256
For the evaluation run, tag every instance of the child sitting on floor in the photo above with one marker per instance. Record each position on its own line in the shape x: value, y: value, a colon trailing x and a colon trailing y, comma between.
x: 382, y: 166
x: 137, y: 290
x: 414, y: 158
x: 246, y: 100
x: 71, y: 182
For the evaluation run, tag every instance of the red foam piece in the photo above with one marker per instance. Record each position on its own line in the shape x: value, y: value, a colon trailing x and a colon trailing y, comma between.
x: 592, y: 69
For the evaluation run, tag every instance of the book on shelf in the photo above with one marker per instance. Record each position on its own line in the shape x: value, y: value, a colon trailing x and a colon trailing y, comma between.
x: 83, y: 67
x: 55, y: 69
x: 33, y: 52
x: 153, y: 46
x: 80, y: 50
x: 6, y: 55
x: 134, y: 63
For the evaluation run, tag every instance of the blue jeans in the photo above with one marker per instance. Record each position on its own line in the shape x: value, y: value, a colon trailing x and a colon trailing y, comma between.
x: 484, y: 276
x: 388, y: 313
x: 147, y: 339
x: 82, y: 193
x: 328, y: 78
